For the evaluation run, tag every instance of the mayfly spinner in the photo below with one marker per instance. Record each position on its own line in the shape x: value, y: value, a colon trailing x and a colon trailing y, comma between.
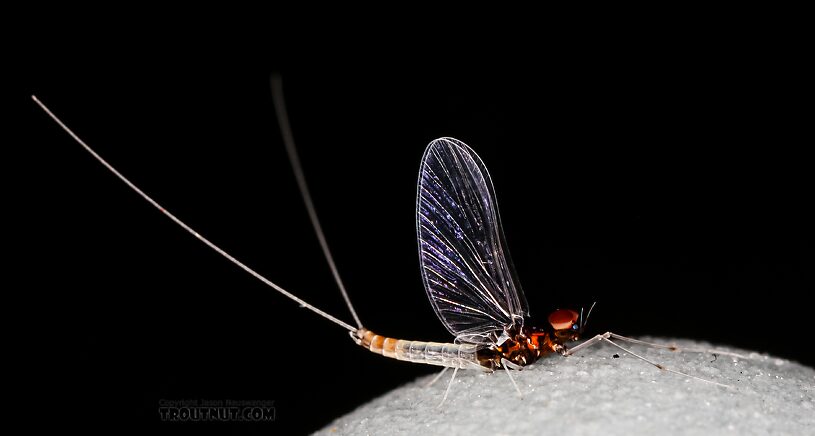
x: 466, y: 269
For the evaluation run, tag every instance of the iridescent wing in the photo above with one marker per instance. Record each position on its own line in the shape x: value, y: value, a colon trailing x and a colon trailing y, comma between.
x: 466, y: 267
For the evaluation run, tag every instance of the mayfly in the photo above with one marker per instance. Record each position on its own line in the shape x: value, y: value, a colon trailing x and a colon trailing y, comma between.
x: 466, y: 269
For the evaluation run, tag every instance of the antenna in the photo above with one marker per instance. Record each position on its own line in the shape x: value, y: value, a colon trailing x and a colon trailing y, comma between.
x: 588, y: 314
x: 188, y: 228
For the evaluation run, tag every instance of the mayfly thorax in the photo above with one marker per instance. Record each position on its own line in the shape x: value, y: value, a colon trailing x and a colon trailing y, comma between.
x: 466, y: 268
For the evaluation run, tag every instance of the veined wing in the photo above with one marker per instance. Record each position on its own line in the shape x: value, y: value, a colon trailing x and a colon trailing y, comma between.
x: 466, y: 267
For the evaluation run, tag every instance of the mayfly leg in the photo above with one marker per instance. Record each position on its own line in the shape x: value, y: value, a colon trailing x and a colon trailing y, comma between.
x: 189, y: 229
x: 676, y: 348
x: 611, y: 335
x: 608, y: 336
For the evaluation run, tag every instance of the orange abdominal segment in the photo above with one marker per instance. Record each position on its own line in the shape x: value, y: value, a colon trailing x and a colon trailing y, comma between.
x: 432, y: 353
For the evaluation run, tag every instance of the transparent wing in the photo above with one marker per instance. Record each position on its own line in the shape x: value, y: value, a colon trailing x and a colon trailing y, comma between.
x: 466, y: 267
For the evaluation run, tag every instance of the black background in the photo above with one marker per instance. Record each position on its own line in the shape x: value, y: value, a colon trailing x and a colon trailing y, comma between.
x: 665, y: 180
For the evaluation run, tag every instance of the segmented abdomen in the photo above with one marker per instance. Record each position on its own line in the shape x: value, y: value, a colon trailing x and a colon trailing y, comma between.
x: 432, y: 353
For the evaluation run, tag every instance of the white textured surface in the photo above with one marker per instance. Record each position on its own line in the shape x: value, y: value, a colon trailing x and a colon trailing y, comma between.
x: 593, y: 393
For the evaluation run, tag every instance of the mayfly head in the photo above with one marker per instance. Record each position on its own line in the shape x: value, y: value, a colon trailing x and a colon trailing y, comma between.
x: 565, y: 325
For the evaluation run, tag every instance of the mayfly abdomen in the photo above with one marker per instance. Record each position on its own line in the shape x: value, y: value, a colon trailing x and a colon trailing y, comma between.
x: 463, y: 356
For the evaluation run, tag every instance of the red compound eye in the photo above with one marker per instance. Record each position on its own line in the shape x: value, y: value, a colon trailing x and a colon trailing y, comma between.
x: 563, y: 319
